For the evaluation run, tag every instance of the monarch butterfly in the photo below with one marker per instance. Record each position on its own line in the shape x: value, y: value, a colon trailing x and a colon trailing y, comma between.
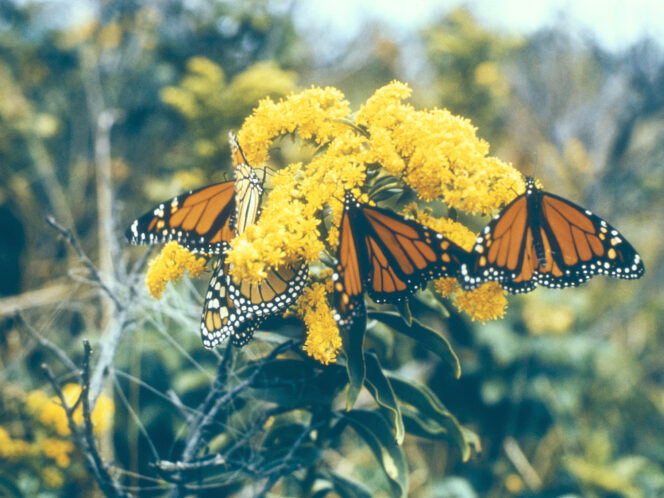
x: 235, y: 311
x: 388, y: 255
x: 542, y: 239
x: 206, y: 220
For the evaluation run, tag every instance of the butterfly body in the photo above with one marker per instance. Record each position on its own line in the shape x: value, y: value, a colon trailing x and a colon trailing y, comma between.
x: 543, y: 239
x: 387, y: 255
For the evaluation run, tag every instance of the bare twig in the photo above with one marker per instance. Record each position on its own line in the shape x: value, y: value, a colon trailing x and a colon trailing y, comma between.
x: 35, y: 298
x: 521, y: 463
x: 48, y: 345
x: 69, y: 236
x: 107, y: 353
x: 284, y: 466
x: 214, y: 401
x: 83, y: 434
x: 209, y: 408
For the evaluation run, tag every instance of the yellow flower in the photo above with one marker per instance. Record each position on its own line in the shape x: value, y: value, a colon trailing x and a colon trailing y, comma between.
x: 170, y: 265
x: 14, y: 448
x: 456, y: 232
x: 53, y: 415
x: 52, y: 477
x: 437, y: 153
x: 57, y: 449
x: 323, y: 339
x: 50, y: 412
x: 487, y: 302
x: 446, y: 286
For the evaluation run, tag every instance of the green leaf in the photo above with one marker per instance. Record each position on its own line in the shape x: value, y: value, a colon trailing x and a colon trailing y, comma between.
x: 347, y: 488
x: 433, y: 301
x: 293, y: 382
x: 380, y: 388
x: 372, y: 427
x: 353, y: 346
x: 428, y: 416
x: 404, y: 310
x: 428, y: 337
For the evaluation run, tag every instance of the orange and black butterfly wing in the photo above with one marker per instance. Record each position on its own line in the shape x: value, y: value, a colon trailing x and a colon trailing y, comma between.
x: 200, y: 220
x: 274, y: 294
x: 504, y: 252
x: 578, y: 245
x: 350, y: 274
x: 220, y: 319
x: 401, y: 254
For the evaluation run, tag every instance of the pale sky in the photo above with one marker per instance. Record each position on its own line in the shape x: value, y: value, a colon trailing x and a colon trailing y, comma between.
x: 614, y: 23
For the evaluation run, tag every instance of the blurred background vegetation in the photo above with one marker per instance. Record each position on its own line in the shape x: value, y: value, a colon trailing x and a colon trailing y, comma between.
x: 105, y: 114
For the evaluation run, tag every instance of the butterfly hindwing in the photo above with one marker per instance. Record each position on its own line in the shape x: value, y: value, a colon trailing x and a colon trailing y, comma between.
x: 220, y: 319
x: 280, y: 288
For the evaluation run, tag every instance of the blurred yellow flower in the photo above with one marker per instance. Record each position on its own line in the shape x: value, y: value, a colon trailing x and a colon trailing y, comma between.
x: 110, y: 36
x: 170, y: 265
x: 14, y: 448
x: 57, y: 449
x: 50, y: 412
x: 52, y: 477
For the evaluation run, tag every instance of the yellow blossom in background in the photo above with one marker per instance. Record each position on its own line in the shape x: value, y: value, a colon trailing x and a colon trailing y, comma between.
x: 11, y: 448
x: 323, y: 339
x: 170, y: 265
x: 57, y: 449
x: 487, y: 302
x: 50, y: 413
x: 52, y: 477
x: 110, y: 36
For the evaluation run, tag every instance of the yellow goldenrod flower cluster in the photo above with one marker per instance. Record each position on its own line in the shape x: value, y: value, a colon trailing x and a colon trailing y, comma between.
x: 434, y: 152
x: 323, y: 339
x: 11, y: 448
x: 51, y: 440
x: 52, y: 477
x: 170, y: 265
x: 58, y: 449
x: 487, y: 302
x: 437, y: 154
x: 50, y: 413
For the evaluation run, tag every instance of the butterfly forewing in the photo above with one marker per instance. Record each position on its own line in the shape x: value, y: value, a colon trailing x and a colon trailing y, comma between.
x: 582, y: 245
x: 349, y: 279
x: 200, y: 220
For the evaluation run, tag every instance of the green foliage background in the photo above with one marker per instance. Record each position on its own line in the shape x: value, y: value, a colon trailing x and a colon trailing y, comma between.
x: 565, y: 393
